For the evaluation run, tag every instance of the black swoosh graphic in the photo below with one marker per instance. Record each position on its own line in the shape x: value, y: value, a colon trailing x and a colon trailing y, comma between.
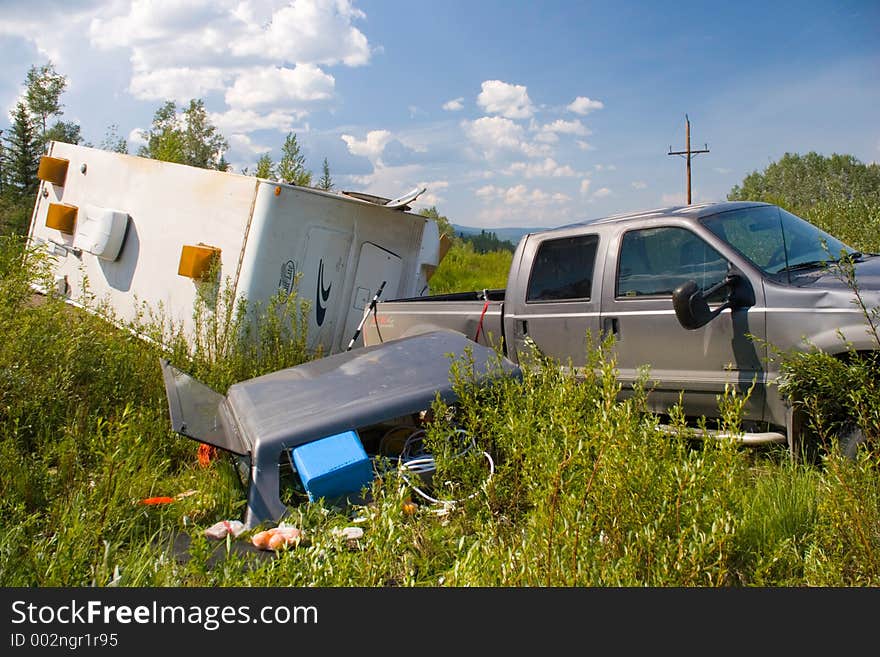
x: 321, y: 295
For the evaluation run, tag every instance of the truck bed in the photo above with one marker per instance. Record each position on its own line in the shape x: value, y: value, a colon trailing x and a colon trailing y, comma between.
x: 476, y: 314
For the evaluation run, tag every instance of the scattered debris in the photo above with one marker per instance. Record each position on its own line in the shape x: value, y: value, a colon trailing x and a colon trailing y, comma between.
x: 150, y: 501
x: 164, y: 499
x: 277, y: 538
x: 207, y: 453
x: 348, y: 533
x: 224, y: 527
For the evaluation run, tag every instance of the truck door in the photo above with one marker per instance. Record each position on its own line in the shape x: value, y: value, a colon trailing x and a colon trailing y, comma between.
x: 561, y: 301
x: 637, y: 308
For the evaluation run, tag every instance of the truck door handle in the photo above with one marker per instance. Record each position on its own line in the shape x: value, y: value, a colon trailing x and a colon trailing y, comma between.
x: 611, y: 325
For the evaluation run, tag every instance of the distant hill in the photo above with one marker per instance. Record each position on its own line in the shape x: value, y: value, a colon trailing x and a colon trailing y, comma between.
x: 504, y: 234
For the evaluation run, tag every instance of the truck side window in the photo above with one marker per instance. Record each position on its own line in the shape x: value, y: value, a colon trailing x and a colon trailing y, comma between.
x: 654, y: 261
x: 563, y: 269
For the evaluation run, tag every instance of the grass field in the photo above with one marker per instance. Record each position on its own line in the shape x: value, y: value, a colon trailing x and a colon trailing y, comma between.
x: 585, y: 491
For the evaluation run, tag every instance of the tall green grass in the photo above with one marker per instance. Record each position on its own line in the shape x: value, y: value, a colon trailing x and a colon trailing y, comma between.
x: 465, y: 270
x: 585, y: 490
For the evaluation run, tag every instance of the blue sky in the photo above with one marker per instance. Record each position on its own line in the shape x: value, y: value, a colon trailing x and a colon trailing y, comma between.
x: 509, y: 113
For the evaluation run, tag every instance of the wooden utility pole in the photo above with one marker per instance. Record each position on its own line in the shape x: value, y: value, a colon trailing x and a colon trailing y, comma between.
x: 688, y: 153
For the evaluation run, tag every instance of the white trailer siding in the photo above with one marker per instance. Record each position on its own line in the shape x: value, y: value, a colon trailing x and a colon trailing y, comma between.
x: 267, y: 234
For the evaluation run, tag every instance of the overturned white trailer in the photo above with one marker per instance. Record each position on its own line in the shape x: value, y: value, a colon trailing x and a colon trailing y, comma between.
x: 140, y: 231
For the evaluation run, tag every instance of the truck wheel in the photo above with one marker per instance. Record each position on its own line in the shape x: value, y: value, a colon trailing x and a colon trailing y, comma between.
x: 850, y: 441
x: 803, y: 444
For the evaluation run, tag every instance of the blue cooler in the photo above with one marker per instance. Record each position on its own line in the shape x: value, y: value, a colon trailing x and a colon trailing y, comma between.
x: 334, y: 466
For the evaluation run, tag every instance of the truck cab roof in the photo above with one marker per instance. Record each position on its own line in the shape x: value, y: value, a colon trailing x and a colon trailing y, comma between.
x: 696, y: 211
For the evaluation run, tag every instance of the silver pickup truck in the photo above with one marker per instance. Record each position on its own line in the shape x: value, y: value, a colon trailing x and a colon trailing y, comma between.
x: 696, y: 293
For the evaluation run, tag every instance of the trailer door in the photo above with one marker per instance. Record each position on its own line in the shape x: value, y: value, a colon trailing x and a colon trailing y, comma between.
x: 323, y: 279
x: 375, y: 265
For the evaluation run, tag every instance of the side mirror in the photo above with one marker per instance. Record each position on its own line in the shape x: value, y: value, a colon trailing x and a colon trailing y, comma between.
x: 691, y: 307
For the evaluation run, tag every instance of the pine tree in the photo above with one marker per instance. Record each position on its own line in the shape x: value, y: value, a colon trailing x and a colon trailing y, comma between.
x: 265, y: 167
x: 65, y: 131
x: 292, y: 167
x: 22, y: 153
x: 326, y: 183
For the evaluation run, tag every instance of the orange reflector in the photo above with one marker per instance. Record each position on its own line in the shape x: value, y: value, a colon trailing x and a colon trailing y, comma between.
x: 61, y: 216
x: 277, y: 191
x: 53, y: 170
x: 195, y: 261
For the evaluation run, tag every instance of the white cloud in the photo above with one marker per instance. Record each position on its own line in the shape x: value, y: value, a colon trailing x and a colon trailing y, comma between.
x: 370, y: 147
x: 509, y: 100
x: 137, y: 137
x: 567, y: 127
x: 520, y: 205
x: 494, y: 135
x: 237, y: 120
x: 317, y: 32
x: 602, y: 192
x: 638, y: 184
x: 269, y: 56
x: 519, y: 195
x: 585, y: 186
x: 454, y: 105
x: 178, y: 84
x: 277, y: 87
x: 585, y: 145
x: 244, y: 146
x: 583, y: 105
x: 313, y: 31
x: 549, y: 132
x: 56, y: 32
x: 605, y: 167
x: 547, y: 168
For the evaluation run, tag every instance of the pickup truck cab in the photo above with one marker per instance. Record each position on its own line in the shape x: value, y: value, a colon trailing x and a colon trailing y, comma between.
x: 696, y: 293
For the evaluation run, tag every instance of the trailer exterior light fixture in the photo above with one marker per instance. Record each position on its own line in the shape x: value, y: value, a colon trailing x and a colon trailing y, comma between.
x: 61, y: 216
x: 196, y: 260
x: 53, y: 170
x: 278, y: 191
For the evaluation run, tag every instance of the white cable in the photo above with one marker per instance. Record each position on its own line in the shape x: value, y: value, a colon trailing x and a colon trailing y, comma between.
x: 426, y: 464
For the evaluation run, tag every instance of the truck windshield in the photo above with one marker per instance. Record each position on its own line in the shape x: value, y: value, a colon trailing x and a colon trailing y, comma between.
x: 774, y: 240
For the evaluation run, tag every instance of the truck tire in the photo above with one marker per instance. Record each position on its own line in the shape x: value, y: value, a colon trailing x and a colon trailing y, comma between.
x: 850, y: 441
x: 804, y: 445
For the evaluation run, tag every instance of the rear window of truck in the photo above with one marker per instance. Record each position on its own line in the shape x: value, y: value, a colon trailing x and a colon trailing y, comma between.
x: 563, y: 269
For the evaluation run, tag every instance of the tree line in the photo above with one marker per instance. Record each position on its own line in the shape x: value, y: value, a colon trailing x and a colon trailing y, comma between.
x: 186, y: 137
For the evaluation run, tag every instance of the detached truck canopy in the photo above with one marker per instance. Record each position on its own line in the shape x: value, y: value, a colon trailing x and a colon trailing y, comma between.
x: 132, y: 231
